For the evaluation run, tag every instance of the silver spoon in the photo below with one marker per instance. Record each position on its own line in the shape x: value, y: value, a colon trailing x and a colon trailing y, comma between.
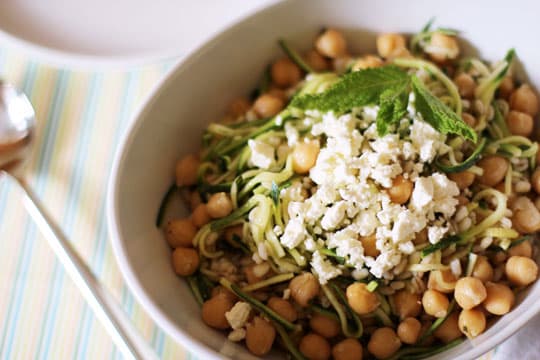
x: 17, y: 130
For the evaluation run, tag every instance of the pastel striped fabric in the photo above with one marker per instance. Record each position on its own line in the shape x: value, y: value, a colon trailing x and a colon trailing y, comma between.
x: 81, y: 117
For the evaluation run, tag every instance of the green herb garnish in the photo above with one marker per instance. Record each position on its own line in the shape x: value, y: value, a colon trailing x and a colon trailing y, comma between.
x: 388, y: 87
x: 437, y: 114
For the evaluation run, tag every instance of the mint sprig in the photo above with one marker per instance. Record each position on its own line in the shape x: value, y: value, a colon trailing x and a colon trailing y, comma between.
x: 388, y: 87
x: 437, y: 114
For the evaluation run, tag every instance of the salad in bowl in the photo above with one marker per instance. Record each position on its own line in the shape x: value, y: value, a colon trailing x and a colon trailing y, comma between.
x: 363, y: 206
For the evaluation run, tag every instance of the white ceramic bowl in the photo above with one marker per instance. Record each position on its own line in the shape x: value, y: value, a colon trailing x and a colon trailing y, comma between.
x: 198, y: 90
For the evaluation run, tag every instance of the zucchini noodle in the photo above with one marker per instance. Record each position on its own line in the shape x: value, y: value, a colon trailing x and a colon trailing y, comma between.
x: 270, y: 281
x: 492, y: 218
x: 342, y: 314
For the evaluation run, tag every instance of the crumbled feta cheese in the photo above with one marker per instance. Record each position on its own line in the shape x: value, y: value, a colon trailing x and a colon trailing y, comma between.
x: 237, y: 335
x: 349, y: 200
x: 323, y: 268
x: 427, y: 141
x: 286, y: 294
x: 238, y: 315
x: 294, y: 234
x: 262, y: 154
x: 422, y: 194
x: 436, y: 233
x: 292, y: 134
x: 334, y: 215
x: 455, y: 267
x: 346, y: 244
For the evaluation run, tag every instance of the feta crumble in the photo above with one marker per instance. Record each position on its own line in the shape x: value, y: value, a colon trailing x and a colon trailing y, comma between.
x: 238, y: 315
x: 262, y: 154
x: 351, y: 175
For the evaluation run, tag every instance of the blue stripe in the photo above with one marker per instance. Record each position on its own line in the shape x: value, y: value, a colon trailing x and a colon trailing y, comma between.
x: 50, y: 134
x: 101, y: 237
x: 74, y: 189
x: 99, y: 252
x: 30, y: 234
x: 22, y: 263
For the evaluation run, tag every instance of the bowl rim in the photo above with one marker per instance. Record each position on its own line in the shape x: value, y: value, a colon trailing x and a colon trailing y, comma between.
x: 191, y: 343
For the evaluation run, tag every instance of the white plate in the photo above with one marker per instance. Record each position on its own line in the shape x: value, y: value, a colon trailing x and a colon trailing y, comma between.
x: 120, y: 32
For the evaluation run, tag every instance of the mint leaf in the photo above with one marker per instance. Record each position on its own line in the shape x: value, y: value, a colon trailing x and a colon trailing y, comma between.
x: 392, y: 108
x: 437, y: 114
x: 356, y: 89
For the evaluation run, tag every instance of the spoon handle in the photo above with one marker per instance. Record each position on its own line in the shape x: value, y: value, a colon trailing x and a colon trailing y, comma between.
x: 129, y: 342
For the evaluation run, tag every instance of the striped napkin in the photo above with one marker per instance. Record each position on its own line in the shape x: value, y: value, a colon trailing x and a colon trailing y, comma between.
x: 81, y: 117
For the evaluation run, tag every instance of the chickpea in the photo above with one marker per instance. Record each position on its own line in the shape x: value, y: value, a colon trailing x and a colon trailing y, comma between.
x: 499, y: 299
x: 314, y: 347
x: 370, y: 245
x: 213, y: 312
x: 435, y: 303
x: 304, y: 156
x: 443, y: 281
x: 260, y: 335
x: 526, y: 218
x: 341, y: 64
x: 466, y: 85
x: 520, y: 270
x: 462, y: 200
x: 186, y: 170
x: 367, y: 62
x: 239, y: 107
x: 285, y: 73
x: 520, y: 123
x: 185, y: 261
x: 284, y: 308
x: 482, y: 269
x: 361, y: 300
x: 325, y: 326
x: 525, y: 100
x: 180, y: 233
x: 468, y: 119
x: 279, y: 93
x: 407, y: 304
x: 535, y: 180
x: 472, y: 322
x: 495, y: 168
x: 316, y: 61
x: 304, y: 287
x: 233, y: 231
x: 253, y: 276
x: 200, y: 216
x: 383, y: 343
x: 463, y: 179
x: 219, y: 205
x: 469, y: 292
x: 449, y: 329
x: 506, y: 87
x: 348, y: 349
x: 401, y: 190
x: 442, y: 47
x: 332, y: 44
x: 389, y: 44
x: 408, y: 330
x: 222, y: 291
x: 194, y: 200
x: 521, y: 249
x: 268, y: 105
